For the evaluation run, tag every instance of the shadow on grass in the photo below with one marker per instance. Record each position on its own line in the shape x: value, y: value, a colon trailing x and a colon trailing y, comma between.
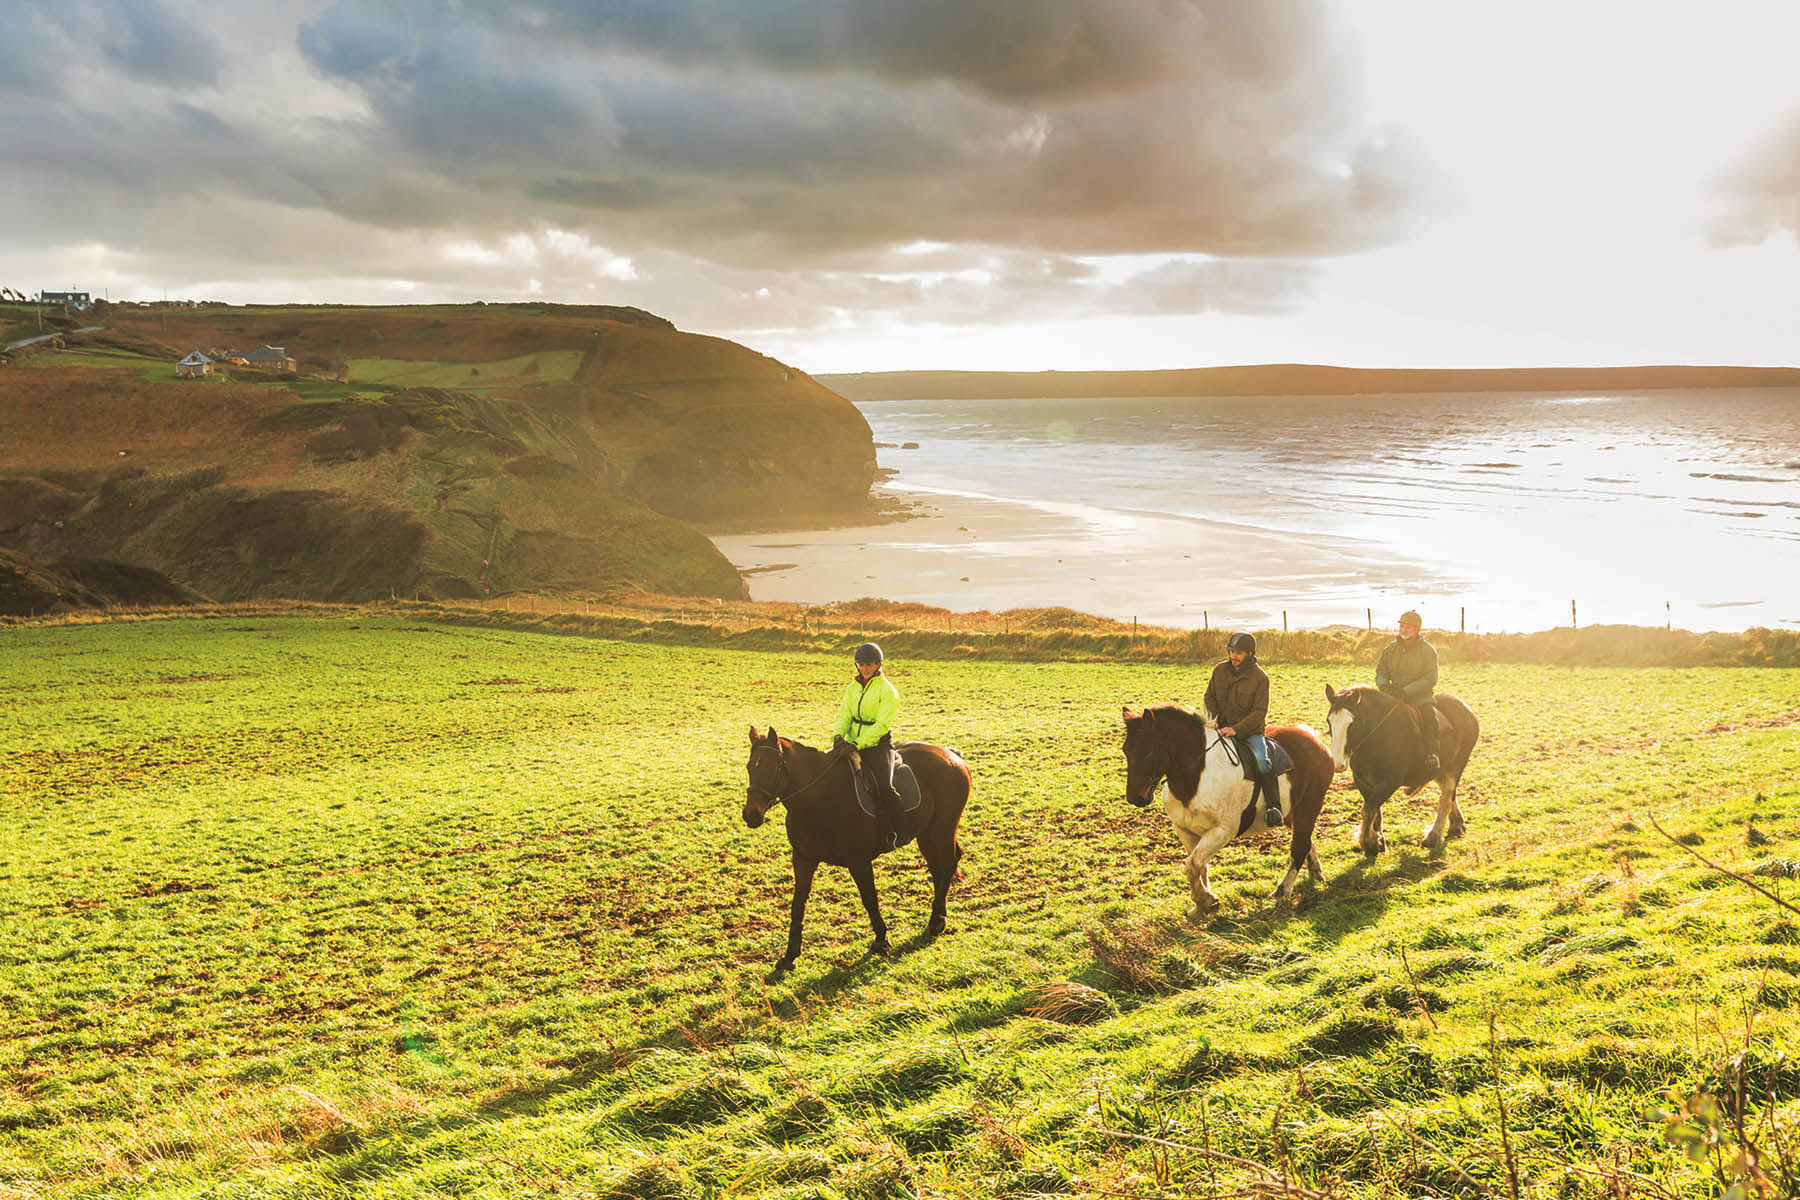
x: 1353, y: 899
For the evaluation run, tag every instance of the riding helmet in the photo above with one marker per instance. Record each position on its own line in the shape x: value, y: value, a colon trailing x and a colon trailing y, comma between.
x: 1411, y: 617
x: 868, y: 652
x: 1241, y: 641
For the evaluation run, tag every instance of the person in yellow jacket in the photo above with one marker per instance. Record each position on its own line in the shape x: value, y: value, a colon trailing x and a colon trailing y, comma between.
x: 865, y: 723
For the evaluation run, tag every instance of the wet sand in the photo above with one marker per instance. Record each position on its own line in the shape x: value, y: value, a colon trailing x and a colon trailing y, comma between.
x: 970, y: 553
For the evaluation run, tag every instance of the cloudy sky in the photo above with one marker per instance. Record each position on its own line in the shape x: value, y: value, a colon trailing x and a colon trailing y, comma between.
x: 885, y: 184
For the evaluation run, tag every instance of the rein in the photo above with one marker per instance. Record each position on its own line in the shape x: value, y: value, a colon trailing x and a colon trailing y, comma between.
x: 1364, y: 740
x: 832, y: 756
x: 1205, y: 749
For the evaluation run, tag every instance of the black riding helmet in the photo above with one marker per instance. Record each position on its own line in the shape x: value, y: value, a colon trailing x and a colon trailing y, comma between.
x: 1241, y: 641
x: 868, y: 652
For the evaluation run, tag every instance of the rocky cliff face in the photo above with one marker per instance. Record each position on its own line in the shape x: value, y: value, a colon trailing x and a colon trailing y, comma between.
x: 582, y: 481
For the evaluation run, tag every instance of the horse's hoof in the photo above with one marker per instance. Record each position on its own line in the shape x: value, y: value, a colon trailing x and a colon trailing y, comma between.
x: 781, y: 968
x: 881, y: 948
x: 934, y: 927
x: 1430, y: 842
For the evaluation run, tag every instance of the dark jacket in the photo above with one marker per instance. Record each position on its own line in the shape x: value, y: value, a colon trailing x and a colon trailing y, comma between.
x: 1240, y: 698
x: 1411, y: 666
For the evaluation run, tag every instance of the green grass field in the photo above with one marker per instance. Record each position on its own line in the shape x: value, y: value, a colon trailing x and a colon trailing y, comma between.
x: 358, y: 905
x: 545, y: 366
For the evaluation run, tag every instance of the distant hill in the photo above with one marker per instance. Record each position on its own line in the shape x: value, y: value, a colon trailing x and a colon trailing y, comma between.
x: 443, y: 451
x: 1293, y: 379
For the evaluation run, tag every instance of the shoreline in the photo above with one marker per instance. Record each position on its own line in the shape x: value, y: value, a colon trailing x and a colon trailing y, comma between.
x: 965, y: 554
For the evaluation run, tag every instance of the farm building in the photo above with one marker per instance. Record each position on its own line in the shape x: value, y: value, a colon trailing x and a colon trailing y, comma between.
x: 194, y: 366
x: 76, y: 300
x: 270, y: 356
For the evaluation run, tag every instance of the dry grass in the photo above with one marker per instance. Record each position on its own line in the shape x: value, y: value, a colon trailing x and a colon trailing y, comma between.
x: 1068, y: 1003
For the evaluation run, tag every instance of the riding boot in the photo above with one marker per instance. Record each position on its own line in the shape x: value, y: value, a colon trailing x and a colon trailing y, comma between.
x: 1271, y: 786
x: 1428, y: 734
x: 887, y: 832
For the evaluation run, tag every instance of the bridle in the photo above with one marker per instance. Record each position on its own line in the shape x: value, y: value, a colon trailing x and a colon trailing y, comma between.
x: 781, y: 769
x: 1372, y: 731
x: 1205, y: 749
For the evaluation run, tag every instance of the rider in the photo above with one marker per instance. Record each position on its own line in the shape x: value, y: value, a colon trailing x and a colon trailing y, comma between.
x: 864, y: 724
x: 1237, y: 696
x: 1408, y: 670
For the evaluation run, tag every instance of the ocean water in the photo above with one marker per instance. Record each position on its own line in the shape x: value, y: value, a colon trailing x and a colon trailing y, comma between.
x: 1489, y: 510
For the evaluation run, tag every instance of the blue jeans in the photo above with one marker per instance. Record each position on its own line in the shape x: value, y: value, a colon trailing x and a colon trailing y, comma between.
x: 1259, y: 750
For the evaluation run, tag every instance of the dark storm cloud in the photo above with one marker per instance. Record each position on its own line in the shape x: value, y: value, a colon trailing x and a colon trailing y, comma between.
x: 1760, y: 195
x: 777, y: 161
x: 47, y: 45
x: 1016, y: 50
x: 798, y: 127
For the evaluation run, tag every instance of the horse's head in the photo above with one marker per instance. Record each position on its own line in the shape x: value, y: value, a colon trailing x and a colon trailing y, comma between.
x: 768, y: 776
x: 1355, y: 708
x: 1146, y: 759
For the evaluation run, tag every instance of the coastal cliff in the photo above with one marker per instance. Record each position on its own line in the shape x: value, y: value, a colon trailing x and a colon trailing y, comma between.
x: 441, y: 452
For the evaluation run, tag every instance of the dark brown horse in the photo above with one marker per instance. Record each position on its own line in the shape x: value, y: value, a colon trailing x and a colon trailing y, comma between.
x: 1207, y: 798
x: 825, y: 825
x: 1377, y: 738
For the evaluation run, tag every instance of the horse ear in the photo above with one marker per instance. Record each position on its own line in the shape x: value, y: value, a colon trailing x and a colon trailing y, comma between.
x: 771, y: 737
x: 1128, y: 714
x: 753, y: 735
x: 1329, y: 694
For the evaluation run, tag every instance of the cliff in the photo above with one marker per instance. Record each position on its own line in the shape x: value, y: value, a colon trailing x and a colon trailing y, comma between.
x: 483, y: 449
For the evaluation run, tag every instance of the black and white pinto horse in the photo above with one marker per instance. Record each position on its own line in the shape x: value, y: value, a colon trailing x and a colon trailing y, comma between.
x: 1377, y: 738
x: 1207, y: 798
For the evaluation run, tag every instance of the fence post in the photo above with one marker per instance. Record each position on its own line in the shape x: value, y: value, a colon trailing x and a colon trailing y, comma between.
x: 1369, y: 616
x: 1284, y: 620
x: 1572, y: 622
x: 1205, y: 622
x: 1668, y: 617
x: 1462, y: 619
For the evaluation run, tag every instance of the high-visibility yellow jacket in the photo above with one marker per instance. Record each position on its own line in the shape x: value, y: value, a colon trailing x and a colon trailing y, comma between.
x: 867, y: 711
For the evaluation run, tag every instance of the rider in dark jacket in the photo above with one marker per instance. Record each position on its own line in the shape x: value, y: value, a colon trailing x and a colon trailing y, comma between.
x: 1237, y: 696
x: 1408, y: 670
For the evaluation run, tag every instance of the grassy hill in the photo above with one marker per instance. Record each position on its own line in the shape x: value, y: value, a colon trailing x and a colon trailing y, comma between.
x: 434, y: 451
x: 370, y: 905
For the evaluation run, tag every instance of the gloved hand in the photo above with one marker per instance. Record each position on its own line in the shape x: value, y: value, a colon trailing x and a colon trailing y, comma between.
x: 840, y: 744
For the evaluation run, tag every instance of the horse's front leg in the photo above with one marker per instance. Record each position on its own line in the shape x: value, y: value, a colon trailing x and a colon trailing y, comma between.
x: 1369, y: 838
x: 804, y: 869
x: 1449, y: 819
x: 864, y: 874
x: 1198, y: 860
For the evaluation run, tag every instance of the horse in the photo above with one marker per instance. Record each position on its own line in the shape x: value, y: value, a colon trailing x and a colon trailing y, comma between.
x: 825, y: 824
x: 1376, y: 738
x: 1207, y: 798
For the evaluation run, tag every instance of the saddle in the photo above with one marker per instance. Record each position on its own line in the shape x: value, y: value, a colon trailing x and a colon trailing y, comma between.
x: 1280, y: 761
x: 905, y: 786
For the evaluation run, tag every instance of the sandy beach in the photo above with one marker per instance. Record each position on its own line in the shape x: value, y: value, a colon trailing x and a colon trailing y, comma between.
x: 1493, y: 513
x: 972, y: 552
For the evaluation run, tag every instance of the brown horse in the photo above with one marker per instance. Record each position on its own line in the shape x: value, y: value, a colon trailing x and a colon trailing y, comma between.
x: 1207, y: 798
x: 1377, y: 738
x: 825, y: 825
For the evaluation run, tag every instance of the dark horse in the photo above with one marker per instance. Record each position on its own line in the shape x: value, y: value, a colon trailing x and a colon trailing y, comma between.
x: 1377, y: 738
x: 1207, y: 798
x: 824, y: 824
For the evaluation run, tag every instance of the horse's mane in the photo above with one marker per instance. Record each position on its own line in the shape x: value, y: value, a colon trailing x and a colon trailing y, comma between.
x: 1359, y: 691
x: 1181, y: 714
